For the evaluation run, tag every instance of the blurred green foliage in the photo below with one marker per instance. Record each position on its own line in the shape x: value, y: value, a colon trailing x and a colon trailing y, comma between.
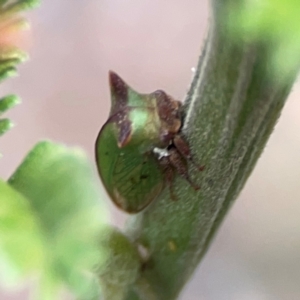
x: 51, y: 212
x: 273, y: 22
x: 51, y: 217
x: 64, y: 193
x: 21, y: 249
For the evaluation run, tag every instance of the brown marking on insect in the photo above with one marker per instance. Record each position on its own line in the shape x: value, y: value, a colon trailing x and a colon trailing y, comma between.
x: 123, y: 124
x: 125, y: 133
x: 168, y: 111
x: 119, y: 92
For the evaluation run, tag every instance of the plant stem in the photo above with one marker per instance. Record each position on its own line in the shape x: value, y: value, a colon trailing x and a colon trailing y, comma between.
x: 230, y: 112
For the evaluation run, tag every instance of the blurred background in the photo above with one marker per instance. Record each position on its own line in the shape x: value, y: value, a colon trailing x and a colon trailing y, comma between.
x: 154, y: 44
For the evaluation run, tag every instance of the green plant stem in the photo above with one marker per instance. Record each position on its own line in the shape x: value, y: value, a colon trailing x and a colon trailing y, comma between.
x: 230, y: 112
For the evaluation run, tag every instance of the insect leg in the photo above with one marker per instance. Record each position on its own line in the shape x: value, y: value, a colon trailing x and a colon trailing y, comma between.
x: 184, y: 149
x: 177, y: 162
x: 169, y: 175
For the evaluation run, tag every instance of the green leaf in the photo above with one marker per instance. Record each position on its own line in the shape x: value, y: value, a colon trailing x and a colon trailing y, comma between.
x: 64, y: 194
x: 8, y: 102
x: 5, y: 125
x: 12, y: 53
x: 18, y: 6
x: 21, y: 248
x: 8, y: 73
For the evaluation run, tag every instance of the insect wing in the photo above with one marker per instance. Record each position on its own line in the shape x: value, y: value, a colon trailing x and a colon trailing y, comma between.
x: 132, y: 179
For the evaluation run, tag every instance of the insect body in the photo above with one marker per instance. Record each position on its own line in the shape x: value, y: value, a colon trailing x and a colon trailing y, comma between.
x: 139, y: 146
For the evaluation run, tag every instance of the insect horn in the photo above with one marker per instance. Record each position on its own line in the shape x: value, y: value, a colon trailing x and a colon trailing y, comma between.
x: 119, y: 92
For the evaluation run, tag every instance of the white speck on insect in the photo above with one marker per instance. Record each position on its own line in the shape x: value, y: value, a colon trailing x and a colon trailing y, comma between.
x: 161, y: 152
x: 193, y: 69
